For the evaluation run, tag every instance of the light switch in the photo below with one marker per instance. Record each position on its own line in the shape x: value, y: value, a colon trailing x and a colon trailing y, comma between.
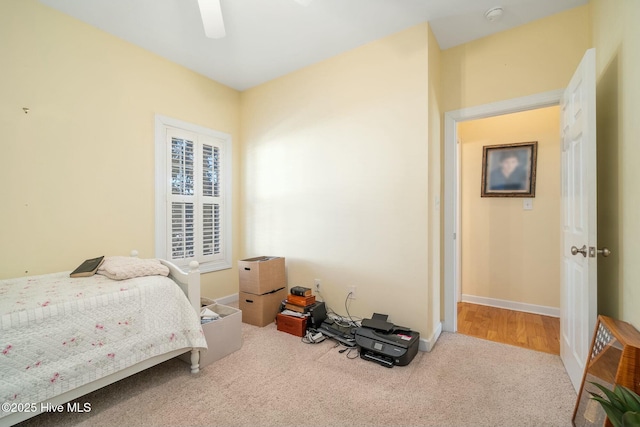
x: 527, y: 204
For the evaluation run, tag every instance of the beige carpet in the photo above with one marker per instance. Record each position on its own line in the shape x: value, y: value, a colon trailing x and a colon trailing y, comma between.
x: 276, y: 380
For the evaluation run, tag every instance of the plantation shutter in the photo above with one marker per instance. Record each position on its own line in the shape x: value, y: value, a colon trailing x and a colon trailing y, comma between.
x: 195, y: 200
x: 182, y: 231
x: 211, y: 200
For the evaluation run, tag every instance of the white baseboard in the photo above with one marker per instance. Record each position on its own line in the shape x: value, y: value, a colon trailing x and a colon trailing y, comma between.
x: 228, y: 299
x: 512, y: 305
x: 428, y: 344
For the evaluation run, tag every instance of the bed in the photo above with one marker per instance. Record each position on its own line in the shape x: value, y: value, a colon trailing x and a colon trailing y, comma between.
x: 63, y: 337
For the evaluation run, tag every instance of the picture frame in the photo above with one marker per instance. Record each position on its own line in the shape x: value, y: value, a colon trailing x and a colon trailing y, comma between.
x: 509, y: 170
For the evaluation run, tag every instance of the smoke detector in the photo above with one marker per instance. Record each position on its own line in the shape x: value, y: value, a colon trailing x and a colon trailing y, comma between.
x: 494, y: 14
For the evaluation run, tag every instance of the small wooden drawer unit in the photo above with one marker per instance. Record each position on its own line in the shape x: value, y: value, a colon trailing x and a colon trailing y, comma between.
x: 293, y: 325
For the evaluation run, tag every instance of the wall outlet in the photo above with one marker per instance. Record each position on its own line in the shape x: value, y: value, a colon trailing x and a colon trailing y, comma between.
x: 316, y: 284
x: 351, y: 292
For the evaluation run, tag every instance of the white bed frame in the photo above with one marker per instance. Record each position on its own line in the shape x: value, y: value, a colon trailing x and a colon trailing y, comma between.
x: 189, y: 282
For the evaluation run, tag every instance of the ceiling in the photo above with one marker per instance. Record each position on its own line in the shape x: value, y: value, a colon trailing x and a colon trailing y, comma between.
x: 266, y: 39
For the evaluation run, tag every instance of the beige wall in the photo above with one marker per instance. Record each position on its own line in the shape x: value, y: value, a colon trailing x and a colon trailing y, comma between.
x: 435, y: 185
x: 616, y: 37
x: 336, y: 177
x: 534, y: 58
x: 530, y: 59
x: 335, y: 173
x: 509, y: 253
x: 78, y: 170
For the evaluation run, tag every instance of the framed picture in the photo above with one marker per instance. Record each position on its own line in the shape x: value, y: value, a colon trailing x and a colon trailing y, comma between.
x: 509, y: 170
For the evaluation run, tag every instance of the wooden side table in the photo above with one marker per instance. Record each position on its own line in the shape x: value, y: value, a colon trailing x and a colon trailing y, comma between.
x: 614, y: 359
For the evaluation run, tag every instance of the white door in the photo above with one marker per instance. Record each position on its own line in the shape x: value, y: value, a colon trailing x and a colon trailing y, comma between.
x: 578, y: 305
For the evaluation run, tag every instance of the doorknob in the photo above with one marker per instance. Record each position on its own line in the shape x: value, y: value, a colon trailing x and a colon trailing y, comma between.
x: 582, y: 250
x: 593, y: 252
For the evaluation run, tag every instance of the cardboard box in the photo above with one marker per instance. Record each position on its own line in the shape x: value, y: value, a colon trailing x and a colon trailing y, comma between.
x: 293, y: 325
x: 260, y: 310
x: 224, y: 335
x: 261, y: 275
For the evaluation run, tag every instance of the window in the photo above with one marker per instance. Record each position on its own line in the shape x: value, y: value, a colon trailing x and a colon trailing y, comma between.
x: 193, y: 185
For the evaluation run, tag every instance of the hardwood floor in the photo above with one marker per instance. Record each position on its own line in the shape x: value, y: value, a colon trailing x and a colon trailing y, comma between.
x: 532, y: 331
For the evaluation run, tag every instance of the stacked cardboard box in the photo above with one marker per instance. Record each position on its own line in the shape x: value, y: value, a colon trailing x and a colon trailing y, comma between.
x: 263, y: 286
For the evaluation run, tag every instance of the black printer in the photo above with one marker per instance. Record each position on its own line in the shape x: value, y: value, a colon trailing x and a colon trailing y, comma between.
x: 385, y: 343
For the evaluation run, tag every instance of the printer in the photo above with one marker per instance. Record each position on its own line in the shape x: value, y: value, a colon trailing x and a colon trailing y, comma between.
x: 385, y: 343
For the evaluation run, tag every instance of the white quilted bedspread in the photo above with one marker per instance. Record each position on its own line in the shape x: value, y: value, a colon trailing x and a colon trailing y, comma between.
x: 58, y: 333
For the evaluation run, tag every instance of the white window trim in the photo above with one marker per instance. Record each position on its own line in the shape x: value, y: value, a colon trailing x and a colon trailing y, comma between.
x: 161, y: 188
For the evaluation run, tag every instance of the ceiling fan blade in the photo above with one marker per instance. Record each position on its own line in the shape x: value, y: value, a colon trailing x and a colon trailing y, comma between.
x: 304, y: 2
x: 212, y: 18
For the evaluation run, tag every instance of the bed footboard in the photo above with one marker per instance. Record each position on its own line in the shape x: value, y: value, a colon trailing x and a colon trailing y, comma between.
x: 189, y: 282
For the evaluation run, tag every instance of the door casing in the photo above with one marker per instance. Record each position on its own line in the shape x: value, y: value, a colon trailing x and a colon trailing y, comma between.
x: 451, y: 178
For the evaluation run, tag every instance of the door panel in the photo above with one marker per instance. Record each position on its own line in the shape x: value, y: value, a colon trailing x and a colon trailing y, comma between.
x: 578, y: 306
